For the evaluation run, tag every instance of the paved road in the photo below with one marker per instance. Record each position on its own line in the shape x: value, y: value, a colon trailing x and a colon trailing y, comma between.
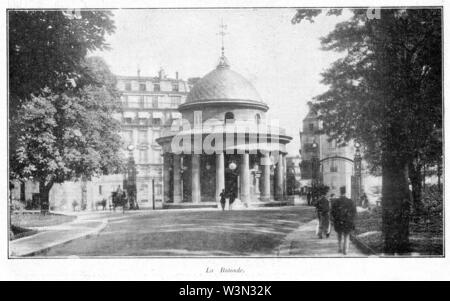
x: 257, y: 232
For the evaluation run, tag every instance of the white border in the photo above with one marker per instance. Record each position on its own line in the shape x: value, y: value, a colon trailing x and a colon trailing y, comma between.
x: 194, y: 269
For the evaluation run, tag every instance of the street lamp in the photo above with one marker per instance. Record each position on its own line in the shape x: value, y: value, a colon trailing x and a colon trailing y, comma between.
x: 315, y: 169
x: 130, y: 183
x: 357, y: 165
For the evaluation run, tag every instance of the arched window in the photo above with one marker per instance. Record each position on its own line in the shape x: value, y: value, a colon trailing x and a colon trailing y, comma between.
x: 229, y: 117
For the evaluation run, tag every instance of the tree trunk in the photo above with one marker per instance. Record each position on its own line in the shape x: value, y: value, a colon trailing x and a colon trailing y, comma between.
x: 44, y: 192
x: 395, y: 204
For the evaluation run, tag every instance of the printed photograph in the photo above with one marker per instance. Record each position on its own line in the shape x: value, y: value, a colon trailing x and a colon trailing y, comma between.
x: 225, y: 132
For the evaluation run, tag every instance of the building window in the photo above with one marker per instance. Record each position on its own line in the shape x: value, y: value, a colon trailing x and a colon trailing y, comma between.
x: 156, y: 87
x: 128, y: 120
x: 128, y: 137
x: 158, y: 189
x: 142, y: 137
x: 125, y: 101
x: 141, y: 101
x: 155, y: 101
x: 311, y: 126
x: 143, y: 191
x: 143, y: 121
x: 333, y: 168
x: 142, y: 87
x: 229, y: 117
x: 175, y: 87
x: 127, y: 86
x: 332, y: 144
x: 143, y: 158
x: 175, y: 101
x: 156, y: 121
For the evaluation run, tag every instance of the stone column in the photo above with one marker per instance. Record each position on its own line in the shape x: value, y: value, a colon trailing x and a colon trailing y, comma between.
x: 196, y: 190
x: 177, y: 198
x: 279, y: 178
x: 166, y: 177
x: 245, y: 178
x: 220, y: 174
x: 257, y: 179
x: 284, y: 176
x: 265, y: 162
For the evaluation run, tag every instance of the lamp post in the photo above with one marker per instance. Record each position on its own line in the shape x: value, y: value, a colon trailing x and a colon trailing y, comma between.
x: 131, y: 176
x: 315, y: 169
x: 357, y: 165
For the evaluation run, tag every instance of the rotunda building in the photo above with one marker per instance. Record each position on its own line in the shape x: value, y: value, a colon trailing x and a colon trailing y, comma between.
x: 224, y: 142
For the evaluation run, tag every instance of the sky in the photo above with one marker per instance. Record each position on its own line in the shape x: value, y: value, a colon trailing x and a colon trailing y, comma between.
x: 283, y: 61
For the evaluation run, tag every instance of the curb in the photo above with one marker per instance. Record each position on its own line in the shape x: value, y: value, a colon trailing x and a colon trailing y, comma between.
x: 362, y: 246
x: 94, y: 231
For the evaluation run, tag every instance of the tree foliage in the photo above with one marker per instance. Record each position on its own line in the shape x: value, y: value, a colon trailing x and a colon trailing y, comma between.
x: 69, y: 135
x: 61, y: 102
x: 47, y: 49
x: 386, y: 92
x: 390, y: 77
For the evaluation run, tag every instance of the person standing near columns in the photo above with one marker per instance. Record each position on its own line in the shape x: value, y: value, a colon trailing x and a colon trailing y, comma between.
x: 196, y: 188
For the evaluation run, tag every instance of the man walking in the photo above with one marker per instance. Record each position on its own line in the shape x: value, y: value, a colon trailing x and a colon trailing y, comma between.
x: 222, y: 199
x: 343, y: 212
x: 308, y: 197
x: 323, y: 214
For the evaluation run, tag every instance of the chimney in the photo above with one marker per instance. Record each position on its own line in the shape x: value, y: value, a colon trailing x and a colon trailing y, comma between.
x: 161, y: 74
x: 176, y: 75
x: 139, y: 72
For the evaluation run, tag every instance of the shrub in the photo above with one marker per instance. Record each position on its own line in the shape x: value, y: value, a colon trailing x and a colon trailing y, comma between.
x: 17, y: 205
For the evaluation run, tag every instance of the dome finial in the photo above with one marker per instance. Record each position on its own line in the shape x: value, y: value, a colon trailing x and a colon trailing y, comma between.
x: 223, y: 62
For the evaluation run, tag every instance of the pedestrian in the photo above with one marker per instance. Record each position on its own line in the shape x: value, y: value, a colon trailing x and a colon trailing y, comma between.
x: 323, y: 214
x: 308, y: 197
x: 232, y: 198
x: 222, y: 199
x: 364, y: 201
x: 343, y: 212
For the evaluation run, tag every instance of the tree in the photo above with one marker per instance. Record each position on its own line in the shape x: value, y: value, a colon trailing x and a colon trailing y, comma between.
x: 47, y: 48
x: 49, y: 79
x: 69, y: 135
x: 386, y: 93
x: 46, y: 53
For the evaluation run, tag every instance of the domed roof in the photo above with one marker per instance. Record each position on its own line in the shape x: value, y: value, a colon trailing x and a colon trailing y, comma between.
x: 223, y: 85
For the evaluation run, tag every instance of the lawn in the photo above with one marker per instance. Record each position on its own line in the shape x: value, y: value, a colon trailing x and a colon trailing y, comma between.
x: 25, y: 219
x: 426, y: 232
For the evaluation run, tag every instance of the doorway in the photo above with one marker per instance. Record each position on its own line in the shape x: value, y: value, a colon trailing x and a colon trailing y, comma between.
x: 231, y: 181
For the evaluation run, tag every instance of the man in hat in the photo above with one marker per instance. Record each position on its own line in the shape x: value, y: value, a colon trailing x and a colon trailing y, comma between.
x: 343, y: 212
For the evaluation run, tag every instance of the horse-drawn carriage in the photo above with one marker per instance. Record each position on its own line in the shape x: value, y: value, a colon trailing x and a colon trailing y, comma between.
x: 121, y: 199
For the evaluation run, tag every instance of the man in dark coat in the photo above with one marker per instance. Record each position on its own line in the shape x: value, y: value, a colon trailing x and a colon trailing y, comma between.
x: 223, y: 199
x: 343, y: 212
x: 308, y: 197
x: 323, y: 213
